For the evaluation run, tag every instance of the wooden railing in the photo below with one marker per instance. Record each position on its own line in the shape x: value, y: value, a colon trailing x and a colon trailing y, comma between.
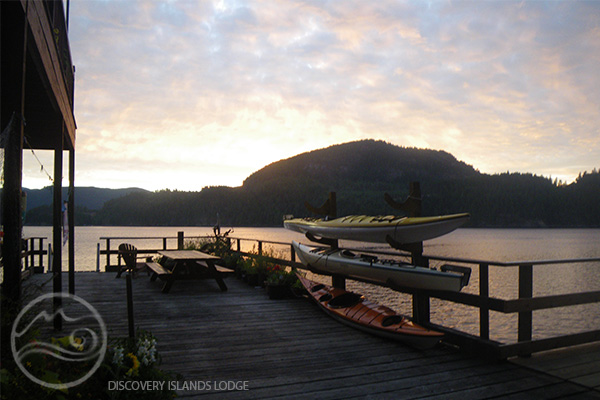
x: 111, y: 249
x: 33, y: 256
x: 524, y: 305
x: 32, y: 253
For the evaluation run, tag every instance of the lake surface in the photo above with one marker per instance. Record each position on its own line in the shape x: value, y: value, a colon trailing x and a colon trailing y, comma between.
x: 500, y: 245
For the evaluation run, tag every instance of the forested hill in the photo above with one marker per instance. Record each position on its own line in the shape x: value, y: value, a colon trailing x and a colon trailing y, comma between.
x: 360, y: 173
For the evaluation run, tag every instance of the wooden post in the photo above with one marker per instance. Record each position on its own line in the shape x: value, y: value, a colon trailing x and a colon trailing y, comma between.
x: 338, y: 281
x: 421, y: 307
x: 179, y: 240
x: 130, y: 306
x: 41, y: 254
x: 107, y: 253
x: 484, y: 308
x: 30, y: 252
x: 26, y: 252
x: 11, y: 212
x: 71, y: 218
x: 98, y: 257
x: 525, y: 292
x: 57, y: 230
x: 13, y: 77
x: 332, y: 214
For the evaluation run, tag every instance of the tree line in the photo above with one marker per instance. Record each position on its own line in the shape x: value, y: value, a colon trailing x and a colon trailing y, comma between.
x: 360, y: 173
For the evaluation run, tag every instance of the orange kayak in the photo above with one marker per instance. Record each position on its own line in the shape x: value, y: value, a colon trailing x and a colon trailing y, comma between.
x: 355, y: 310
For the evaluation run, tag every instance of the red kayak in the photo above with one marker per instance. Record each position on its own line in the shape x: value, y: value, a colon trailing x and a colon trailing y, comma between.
x: 355, y: 310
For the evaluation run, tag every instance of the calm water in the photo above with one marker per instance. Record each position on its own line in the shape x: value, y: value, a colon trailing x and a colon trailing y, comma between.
x: 474, y: 244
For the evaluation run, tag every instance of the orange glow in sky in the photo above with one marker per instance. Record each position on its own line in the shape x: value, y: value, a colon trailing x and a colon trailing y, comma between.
x: 187, y: 94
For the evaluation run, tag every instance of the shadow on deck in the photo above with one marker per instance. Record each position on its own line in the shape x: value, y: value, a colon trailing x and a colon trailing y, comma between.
x: 290, y: 349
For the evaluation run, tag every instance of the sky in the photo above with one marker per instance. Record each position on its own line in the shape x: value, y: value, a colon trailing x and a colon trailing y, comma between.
x: 181, y: 95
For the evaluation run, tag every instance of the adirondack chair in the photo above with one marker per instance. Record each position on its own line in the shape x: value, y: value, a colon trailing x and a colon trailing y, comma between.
x: 128, y: 253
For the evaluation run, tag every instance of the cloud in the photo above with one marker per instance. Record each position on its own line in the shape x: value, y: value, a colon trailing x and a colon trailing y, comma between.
x: 217, y: 90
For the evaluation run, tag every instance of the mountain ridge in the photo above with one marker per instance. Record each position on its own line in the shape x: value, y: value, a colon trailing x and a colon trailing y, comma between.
x: 360, y: 173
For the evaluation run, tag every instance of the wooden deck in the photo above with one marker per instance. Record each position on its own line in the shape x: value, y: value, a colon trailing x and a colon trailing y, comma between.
x: 290, y: 349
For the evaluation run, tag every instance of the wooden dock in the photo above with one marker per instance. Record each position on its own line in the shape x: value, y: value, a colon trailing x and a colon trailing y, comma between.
x: 290, y: 349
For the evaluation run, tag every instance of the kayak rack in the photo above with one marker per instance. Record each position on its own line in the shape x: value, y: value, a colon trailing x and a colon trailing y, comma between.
x: 411, y: 206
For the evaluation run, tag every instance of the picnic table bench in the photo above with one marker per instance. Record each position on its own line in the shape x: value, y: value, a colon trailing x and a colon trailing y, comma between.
x: 158, y: 271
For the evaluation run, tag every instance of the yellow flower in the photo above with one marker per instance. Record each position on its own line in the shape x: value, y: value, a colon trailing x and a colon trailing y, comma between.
x: 136, y: 365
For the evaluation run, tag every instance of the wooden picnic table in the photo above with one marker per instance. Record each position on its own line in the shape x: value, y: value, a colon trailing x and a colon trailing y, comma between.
x: 186, y: 264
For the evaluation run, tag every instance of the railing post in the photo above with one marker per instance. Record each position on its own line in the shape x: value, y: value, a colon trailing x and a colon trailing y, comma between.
x: 107, y: 253
x: 293, y: 253
x: 164, y: 243
x: 50, y: 257
x: 260, y: 248
x: 239, y: 245
x: 484, y: 308
x: 41, y: 254
x: 338, y: 281
x: 31, y: 247
x: 525, y: 292
x: 98, y: 257
x: 420, y: 303
x: 26, y: 252
x: 179, y: 240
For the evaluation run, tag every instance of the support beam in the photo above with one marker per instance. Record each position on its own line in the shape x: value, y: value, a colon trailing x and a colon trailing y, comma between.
x: 71, y: 211
x: 57, y: 229
x: 14, y: 33
x: 11, y: 202
x: 11, y: 248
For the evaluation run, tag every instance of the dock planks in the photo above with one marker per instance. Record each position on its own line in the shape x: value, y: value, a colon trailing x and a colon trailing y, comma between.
x: 579, y: 364
x: 290, y: 349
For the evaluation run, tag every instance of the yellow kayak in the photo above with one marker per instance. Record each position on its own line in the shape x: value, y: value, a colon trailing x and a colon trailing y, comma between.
x: 376, y: 229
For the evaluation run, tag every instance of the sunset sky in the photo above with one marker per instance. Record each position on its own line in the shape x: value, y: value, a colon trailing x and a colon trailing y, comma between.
x: 187, y: 94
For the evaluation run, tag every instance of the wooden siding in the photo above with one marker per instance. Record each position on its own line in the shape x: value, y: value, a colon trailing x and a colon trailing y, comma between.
x: 60, y: 92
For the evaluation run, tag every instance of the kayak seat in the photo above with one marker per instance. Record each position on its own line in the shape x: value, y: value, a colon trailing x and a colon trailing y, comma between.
x: 325, y: 297
x: 316, y: 288
x: 392, y: 320
x: 347, y: 253
x: 346, y: 300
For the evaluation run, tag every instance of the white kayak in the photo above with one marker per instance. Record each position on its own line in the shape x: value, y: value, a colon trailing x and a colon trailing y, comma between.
x: 378, y: 229
x: 388, y: 272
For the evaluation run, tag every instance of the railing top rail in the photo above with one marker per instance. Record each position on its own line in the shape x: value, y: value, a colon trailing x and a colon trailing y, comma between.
x: 390, y: 253
x: 261, y: 240
x: 151, y: 237
x: 457, y: 259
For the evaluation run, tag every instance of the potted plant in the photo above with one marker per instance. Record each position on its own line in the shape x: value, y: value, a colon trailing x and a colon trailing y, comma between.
x: 279, y: 281
x: 250, y: 272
